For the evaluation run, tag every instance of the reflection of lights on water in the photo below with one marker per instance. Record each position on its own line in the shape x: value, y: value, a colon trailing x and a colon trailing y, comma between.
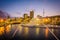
x: 52, y: 30
x: 20, y: 28
x: 26, y: 30
x: 15, y: 32
x: 56, y: 26
x: 37, y: 31
x: 37, y: 24
x: 8, y: 28
x: 1, y: 30
x: 46, y: 32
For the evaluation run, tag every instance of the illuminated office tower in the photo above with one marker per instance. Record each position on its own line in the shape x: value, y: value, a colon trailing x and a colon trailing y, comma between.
x: 31, y: 14
x: 25, y: 16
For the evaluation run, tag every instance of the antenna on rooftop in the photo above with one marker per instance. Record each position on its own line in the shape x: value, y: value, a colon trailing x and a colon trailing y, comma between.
x: 43, y: 12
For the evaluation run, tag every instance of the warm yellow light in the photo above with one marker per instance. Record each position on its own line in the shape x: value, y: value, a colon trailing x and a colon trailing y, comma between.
x: 46, y: 20
x: 37, y: 31
x: 20, y: 28
x: 46, y: 32
x: 1, y: 20
x: 37, y: 19
x: 26, y: 30
x: 1, y: 30
x: 8, y: 28
x: 37, y: 24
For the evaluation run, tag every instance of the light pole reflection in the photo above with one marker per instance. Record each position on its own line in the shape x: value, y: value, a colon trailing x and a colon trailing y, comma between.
x: 46, y: 32
x: 26, y: 29
x: 20, y: 28
x: 37, y: 31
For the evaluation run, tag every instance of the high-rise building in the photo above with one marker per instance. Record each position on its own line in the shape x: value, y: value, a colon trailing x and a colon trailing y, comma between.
x: 31, y: 14
x: 25, y: 16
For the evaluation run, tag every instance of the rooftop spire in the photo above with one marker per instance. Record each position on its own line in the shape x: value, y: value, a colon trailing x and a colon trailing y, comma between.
x: 43, y: 12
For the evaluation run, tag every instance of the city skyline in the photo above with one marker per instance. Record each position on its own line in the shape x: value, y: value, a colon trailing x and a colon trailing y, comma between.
x: 29, y: 19
x: 16, y: 8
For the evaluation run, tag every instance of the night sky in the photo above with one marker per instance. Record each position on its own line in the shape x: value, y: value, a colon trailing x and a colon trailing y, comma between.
x: 16, y: 8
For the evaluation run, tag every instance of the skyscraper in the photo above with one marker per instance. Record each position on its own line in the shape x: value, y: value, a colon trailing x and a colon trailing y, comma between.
x: 25, y: 16
x: 31, y: 14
